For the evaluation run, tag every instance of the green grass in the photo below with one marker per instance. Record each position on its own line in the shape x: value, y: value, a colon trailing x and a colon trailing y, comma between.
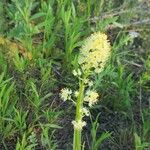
x: 39, y: 45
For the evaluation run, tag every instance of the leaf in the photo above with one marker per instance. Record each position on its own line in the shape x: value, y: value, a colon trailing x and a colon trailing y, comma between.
x: 118, y: 24
x: 103, y: 137
x: 53, y: 126
x: 8, y: 119
x: 46, y: 96
x: 37, y: 15
x: 137, y: 142
x: 33, y: 86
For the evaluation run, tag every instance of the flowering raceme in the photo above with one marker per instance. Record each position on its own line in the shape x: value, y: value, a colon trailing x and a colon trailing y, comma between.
x: 94, y: 53
x: 93, y: 56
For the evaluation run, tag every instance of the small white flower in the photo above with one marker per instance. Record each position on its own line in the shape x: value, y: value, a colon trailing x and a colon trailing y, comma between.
x: 91, y: 97
x: 78, y: 125
x: 77, y: 73
x: 90, y: 83
x: 86, y: 81
x: 65, y: 94
x: 76, y: 93
x: 85, y: 111
x: 74, y: 73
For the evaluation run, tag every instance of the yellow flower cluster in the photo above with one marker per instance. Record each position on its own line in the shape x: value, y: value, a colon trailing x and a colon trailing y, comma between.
x: 94, y: 53
x: 65, y: 94
x: 91, y: 97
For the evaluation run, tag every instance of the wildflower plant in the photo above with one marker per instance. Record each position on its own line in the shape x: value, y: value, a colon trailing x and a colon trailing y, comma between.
x: 92, y: 58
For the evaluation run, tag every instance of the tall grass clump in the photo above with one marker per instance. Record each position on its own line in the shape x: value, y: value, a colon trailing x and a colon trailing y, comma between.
x: 7, y: 103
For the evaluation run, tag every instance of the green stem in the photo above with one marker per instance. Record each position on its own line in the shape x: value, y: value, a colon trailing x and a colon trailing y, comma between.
x: 79, y: 105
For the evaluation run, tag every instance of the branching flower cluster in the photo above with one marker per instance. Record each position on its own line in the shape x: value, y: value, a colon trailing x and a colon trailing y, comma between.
x: 92, y: 58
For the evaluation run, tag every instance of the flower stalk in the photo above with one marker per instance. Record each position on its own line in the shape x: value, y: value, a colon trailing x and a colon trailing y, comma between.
x: 78, y: 118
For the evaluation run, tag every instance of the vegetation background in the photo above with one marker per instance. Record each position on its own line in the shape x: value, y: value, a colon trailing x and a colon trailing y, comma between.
x: 39, y: 41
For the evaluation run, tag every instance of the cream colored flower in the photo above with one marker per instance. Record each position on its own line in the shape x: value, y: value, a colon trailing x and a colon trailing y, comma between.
x: 86, y: 81
x: 78, y: 125
x: 65, y: 94
x: 79, y: 72
x: 91, y: 97
x: 76, y: 93
x: 90, y: 83
x: 76, y: 73
x: 85, y: 111
x: 94, y: 53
